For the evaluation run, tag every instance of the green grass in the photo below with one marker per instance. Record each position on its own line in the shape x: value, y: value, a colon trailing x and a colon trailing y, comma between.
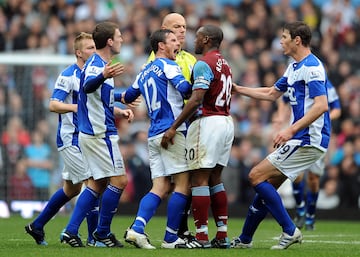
x: 331, y: 238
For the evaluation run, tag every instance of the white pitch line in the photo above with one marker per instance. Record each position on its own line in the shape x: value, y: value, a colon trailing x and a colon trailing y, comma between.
x: 333, y: 242
x: 327, y: 241
x: 338, y: 235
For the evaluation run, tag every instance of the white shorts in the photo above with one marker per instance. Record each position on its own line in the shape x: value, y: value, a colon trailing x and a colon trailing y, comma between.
x: 166, y: 162
x: 209, y: 141
x: 101, y: 156
x: 291, y: 159
x: 318, y: 167
x: 74, y: 169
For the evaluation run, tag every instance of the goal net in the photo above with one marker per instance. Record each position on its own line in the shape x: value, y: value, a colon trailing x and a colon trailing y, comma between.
x: 26, y: 84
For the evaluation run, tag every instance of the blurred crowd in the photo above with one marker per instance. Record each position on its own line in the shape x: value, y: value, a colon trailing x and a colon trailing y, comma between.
x: 30, y: 167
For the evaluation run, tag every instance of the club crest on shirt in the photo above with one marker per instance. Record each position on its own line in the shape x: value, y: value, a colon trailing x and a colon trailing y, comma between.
x: 315, y: 75
x: 61, y: 83
x: 93, y: 70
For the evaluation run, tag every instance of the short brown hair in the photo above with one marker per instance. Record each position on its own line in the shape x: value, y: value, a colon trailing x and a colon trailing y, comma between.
x: 301, y: 29
x: 102, y: 32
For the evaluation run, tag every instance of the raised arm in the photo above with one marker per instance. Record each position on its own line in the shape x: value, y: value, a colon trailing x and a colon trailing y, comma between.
x: 260, y: 93
x: 91, y: 84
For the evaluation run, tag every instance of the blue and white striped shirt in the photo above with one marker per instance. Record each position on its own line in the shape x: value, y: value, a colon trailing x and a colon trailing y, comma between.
x: 303, y: 82
x: 333, y: 97
x: 66, y: 90
x: 164, y: 87
x: 96, y: 109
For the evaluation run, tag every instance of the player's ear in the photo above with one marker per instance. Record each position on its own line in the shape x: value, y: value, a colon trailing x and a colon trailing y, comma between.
x: 298, y: 40
x: 206, y: 39
x: 110, y: 41
x: 161, y: 45
x: 77, y: 53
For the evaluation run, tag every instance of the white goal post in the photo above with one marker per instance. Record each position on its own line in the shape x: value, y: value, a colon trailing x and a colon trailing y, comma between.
x: 33, y: 59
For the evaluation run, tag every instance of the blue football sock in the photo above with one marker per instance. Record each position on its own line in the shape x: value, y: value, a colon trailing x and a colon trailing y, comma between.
x: 147, y: 208
x: 92, y: 218
x: 184, y: 220
x: 298, y: 192
x: 275, y: 206
x: 175, y: 210
x: 256, y: 213
x: 86, y: 202
x: 311, y: 199
x: 109, y: 204
x: 58, y: 200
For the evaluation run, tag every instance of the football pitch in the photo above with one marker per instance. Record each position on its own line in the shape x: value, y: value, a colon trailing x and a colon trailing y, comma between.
x: 330, y: 238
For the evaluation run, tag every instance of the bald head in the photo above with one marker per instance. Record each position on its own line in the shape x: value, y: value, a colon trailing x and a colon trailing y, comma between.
x: 175, y: 22
x: 172, y: 18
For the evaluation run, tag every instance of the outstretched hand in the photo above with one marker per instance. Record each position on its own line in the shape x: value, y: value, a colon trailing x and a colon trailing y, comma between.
x: 168, y: 137
x: 113, y: 70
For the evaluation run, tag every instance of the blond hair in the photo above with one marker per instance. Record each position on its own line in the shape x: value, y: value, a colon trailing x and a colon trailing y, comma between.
x: 79, y: 38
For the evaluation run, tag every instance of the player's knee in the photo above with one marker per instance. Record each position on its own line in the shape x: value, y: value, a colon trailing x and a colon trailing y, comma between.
x: 72, y: 190
x: 123, y: 182
x: 183, y: 189
x: 119, y: 181
x: 254, y: 177
x: 313, y: 178
x: 160, y: 193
